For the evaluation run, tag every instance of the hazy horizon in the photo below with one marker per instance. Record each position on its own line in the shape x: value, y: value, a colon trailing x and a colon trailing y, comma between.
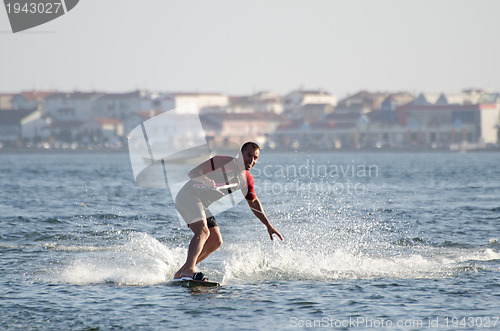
x: 242, y: 48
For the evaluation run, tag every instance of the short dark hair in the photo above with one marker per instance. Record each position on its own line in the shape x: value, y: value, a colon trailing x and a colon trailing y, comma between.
x: 251, y: 144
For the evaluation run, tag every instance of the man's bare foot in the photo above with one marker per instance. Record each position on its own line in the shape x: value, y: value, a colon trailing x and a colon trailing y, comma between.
x: 178, y: 274
x: 187, y: 273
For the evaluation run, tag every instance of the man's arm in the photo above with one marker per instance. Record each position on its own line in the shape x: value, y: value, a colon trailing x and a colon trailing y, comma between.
x: 256, y: 208
x: 198, y: 173
x: 209, y: 166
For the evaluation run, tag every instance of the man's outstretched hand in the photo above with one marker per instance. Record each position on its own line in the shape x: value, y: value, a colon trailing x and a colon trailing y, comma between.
x: 272, y: 230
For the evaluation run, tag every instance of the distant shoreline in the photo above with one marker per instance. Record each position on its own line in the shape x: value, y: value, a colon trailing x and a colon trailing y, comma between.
x: 60, y: 151
x: 5, y: 151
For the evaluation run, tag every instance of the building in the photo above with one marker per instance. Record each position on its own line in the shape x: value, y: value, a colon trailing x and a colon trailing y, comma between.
x: 197, y: 101
x: 334, y: 131
x: 489, y: 123
x: 237, y: 104
x: 138, y: 117
x: 361, y: 102
x: 391, y: 103
x: 5, y: 101
x: 261, y: 102
x: 267, y: 102
x: 444, y: 125
x: 34, y: 127
x: 120, y: 105
x: 11, y: 122
x: 490, y: 117
x: 105, y: 128
x: 30, y: 99
x: 466, y: 97
x: 71, y: 107
x: 162, y: 102
x: 239, y: 127
x: 313, y: 112
x: 296, y: 100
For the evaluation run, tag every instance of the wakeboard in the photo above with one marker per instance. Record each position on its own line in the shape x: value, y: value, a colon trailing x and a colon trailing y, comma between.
x: 193, y: 283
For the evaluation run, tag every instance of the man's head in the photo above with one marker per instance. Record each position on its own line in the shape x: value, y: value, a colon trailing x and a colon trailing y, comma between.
x: 250, y: 152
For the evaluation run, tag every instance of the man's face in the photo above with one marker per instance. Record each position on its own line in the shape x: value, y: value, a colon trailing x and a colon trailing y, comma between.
x: 250, y: 157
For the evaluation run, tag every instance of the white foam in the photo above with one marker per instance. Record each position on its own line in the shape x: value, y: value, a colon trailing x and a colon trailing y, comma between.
x: 487, y: 254
x: 73, y: 248
x: 286, y: 263
x: 142, y: 260
x: 114, y: 270
x: 491, y: 255
x: 283, y: 262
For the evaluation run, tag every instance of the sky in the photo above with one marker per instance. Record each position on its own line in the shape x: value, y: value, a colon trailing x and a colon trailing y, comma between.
x: 242, y: 47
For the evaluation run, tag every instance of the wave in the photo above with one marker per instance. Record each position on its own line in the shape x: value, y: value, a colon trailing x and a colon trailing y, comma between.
x: 288, y: 264
x: 75, y: 248
x: 494, y: 242
x: 285, y: 263
x: 141, y: 260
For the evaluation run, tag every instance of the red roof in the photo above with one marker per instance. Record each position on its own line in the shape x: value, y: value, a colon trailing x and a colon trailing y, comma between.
x: 108, y: 120
x: 35, y: 95
x: 243, y: 116
x: 147, y: 114
x: 487, y: 106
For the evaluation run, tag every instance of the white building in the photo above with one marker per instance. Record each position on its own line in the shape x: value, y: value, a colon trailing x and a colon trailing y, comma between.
x: 5, y: 99
x: 120, y: 105
x: 489, y: 116
x: 262, y: 102
x: 108, y: 128
x: 34, y: 126
x: 162, y: 102
x: 11, y: 122
x: 71, y: 107
x: 294, y: 101
x: 267, y: 102
x: 199, y: 100
x: 136, y: 118
x: 30, y: 100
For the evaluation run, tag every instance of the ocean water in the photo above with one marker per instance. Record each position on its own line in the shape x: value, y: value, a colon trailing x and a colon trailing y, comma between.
x: 372, y: 241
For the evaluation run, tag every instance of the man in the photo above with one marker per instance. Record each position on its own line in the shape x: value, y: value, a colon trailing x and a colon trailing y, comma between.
x: 210, y: 181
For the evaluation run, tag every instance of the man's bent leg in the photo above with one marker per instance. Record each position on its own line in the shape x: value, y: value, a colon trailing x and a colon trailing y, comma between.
x: 201, y: 235
x: 211, y: 245
x: 213, y: 242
